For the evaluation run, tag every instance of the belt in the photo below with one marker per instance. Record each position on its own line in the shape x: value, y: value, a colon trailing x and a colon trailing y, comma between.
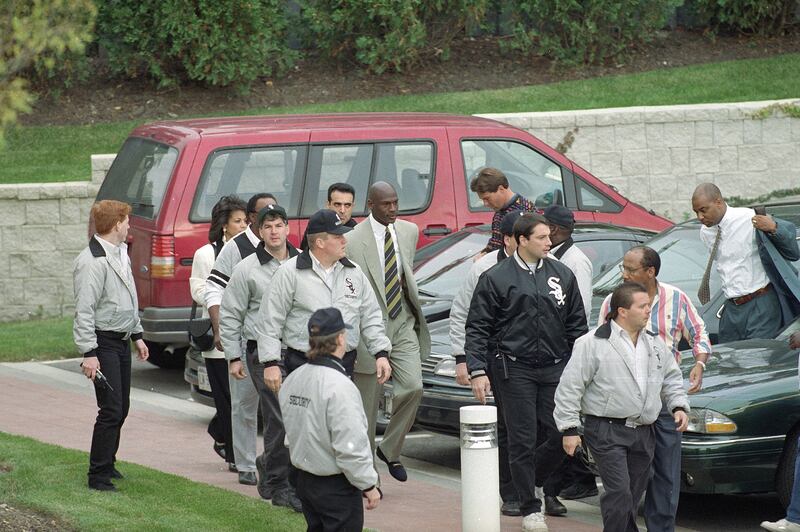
x: 616, y: 421
x: 114, y: 335
x: 749, y: 297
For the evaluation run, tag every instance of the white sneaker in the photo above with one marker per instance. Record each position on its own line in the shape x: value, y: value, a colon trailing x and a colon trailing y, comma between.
x: 538, y: 492
x: 778, y: 526
x: 534, y: 522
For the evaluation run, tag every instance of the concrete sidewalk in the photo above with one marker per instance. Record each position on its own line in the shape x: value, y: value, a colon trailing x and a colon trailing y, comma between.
x: 57, y: 406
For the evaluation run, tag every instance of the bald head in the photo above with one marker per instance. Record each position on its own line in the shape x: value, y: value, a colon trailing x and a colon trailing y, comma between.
x: 382, y: 202
x: 708, y: 205
x: 707, y: 190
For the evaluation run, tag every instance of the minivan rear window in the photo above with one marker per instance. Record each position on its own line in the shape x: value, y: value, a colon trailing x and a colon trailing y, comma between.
x: 139, y: 176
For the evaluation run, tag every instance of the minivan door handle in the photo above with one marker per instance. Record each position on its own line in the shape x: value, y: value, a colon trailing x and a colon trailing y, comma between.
x: 433, y: 230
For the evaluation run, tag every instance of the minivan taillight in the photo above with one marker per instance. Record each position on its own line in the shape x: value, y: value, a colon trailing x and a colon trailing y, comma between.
x: 162, y: 256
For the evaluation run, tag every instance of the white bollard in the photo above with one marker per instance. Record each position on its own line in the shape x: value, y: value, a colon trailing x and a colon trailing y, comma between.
x: 480, y: 474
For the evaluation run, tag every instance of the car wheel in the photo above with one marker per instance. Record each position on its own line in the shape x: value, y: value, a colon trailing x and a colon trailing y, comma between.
x: 166, y: 358
x: 784, y: 477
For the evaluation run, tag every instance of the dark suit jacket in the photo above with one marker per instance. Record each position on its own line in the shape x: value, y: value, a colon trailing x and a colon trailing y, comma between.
x: 776, y: 253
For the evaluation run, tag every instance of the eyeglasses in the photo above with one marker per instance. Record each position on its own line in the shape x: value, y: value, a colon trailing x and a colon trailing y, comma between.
x: 623, y: 269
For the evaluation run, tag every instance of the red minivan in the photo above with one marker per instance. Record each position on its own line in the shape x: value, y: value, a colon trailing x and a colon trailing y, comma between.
x: 172, y: 173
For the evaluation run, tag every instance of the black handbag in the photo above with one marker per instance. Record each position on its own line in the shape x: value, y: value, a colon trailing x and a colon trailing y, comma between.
x: 201, y: 336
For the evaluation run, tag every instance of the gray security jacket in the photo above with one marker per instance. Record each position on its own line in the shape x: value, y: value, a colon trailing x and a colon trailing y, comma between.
x: 326, y: 428
x: 105, y: 296
x: 297, y: 290
x: 599, y: 381
x: 241, y: 300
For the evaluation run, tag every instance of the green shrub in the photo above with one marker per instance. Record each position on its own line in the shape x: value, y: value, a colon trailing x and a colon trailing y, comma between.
x: 587, y: 31
x: 218, y: 42
x: 386, y: 34
x: 766, y: 17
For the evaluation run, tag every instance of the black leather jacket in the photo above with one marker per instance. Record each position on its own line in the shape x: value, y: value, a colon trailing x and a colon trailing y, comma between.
x: 532, y: 315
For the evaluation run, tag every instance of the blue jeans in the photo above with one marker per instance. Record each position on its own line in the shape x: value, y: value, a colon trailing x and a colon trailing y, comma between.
x: 793, y: 511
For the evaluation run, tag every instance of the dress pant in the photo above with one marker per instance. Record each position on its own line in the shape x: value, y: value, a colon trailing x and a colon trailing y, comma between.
x: 220, y: 426
x: 244, y: 417
x: 528, y: 397
x: 114, y: 356
x: 276, y: 454
x: 507, y: 490
x: 623, y: 456
x: 406, y: 385
x: 330, y: 504
x: 758, y: 318
x: 664, y: 486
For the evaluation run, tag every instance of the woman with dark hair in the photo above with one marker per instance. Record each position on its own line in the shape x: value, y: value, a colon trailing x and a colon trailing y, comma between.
x: 228, y: 219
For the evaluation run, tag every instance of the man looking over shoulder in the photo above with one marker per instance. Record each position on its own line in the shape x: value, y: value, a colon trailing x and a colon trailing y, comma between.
x: 106, y: 321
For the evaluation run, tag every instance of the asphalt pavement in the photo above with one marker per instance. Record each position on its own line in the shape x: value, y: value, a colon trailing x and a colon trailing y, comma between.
x: 166, y: 430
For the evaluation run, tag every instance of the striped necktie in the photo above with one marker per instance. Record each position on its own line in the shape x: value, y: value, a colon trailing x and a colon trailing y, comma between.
x: 704, y: 292
x: 392, y: 280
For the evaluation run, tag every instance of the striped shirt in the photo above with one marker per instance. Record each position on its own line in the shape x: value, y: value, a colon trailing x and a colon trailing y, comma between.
x: 517, y: 203
x: 672, y: 316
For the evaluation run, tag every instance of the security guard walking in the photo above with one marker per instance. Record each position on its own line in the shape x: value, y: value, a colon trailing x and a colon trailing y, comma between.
x: 326, y: 431
x: 106, y: 318
x: 318, y: 278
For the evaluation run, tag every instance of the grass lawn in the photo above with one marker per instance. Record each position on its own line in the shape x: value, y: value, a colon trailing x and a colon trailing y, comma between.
x: 48, y: 339
x: 46, y: 154
x: 52, y: 480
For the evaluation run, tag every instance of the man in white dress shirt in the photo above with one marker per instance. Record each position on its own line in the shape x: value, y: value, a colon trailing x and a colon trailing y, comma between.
x: 744, y: 245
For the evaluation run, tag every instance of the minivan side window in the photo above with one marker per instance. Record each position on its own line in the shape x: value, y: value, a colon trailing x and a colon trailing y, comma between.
x: 591, y: 199
x: 139, y: 176
x: 248, y: 171
x: 529, y: 173
x: 407, y: 166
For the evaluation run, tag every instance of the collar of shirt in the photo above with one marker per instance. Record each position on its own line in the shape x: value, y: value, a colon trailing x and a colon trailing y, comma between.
x: 638, y: 352
x: 510, y: 202
x: 325, y: 273
x: 524, y: 265
x: 113, y: 250
x: 251, y: 236
x: 379, y: 231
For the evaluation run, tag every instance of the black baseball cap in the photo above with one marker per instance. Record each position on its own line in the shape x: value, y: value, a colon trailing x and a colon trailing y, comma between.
x: 273, y: 210
x: 326, y: 321
x: 326, y: 221
x: 560, y: 215
x: 507, y: 223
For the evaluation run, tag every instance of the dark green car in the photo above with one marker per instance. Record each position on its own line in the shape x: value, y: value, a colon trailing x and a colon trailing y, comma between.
x: 745, y: 422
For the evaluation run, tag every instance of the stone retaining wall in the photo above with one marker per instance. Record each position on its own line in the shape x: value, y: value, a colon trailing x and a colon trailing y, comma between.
x: 653, y: 155
x: 657, y: 155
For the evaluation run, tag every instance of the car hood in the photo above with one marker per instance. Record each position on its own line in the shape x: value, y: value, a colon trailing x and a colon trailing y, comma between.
x: 739, y: 372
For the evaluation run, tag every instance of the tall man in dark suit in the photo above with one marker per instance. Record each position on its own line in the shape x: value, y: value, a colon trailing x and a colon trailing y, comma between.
x: 384, y: 247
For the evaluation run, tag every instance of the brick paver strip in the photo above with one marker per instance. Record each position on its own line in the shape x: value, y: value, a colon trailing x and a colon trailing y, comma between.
x: 179, y: 445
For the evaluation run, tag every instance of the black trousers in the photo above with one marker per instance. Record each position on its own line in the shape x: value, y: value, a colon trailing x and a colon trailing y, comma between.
x: 276, y: 454
x: 528, y: 398
x: 623, y: 456
x: 330, y: 504
x: 507, y: 490
x: 114, y: 355
x: 220, y: 427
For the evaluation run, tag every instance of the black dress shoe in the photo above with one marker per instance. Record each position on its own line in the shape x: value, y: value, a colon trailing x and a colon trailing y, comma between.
x: 396, y: 469
x: 553, y: 506
x: 102, y: 486
x: 288, y: 499
x: 116, y: 474
x: 232, y: 467
x: 510, y: 508
x: 247, y: 478
x: 577, y: 491
x: 219, y: 448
